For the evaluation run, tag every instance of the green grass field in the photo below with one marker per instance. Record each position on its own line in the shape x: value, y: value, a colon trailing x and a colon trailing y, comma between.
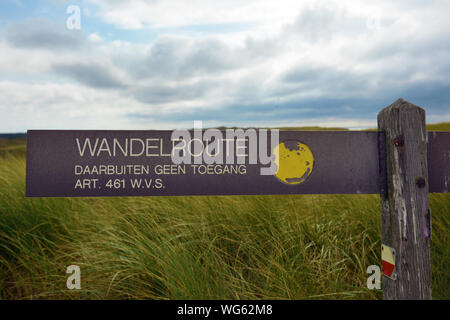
x: 222, y: 247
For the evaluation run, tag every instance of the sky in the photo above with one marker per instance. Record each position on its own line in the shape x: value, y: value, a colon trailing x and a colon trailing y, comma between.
x: 163, y: 64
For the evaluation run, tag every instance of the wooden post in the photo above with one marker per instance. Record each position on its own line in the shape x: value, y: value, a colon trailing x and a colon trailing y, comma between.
x: 405, y: 218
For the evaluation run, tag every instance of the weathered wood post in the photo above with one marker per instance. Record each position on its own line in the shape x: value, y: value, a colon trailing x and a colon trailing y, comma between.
x: 405, y: 219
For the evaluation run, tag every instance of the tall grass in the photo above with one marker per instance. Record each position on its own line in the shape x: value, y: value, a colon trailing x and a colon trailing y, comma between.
x: 221, y: 247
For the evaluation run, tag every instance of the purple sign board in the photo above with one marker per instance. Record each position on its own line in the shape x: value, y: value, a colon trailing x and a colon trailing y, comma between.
x: 140, y: 163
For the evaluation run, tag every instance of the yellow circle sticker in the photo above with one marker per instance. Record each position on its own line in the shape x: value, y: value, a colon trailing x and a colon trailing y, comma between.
x: 295, y: 161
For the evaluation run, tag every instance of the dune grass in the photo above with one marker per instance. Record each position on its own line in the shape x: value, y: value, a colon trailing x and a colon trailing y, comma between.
x: 220, y: 247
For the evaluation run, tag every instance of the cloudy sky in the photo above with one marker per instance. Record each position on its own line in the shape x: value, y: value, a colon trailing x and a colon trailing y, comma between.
x: 161, y: 64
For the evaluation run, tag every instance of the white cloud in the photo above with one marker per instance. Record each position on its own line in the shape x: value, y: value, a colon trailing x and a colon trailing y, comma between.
x: 95, y: 37
x: 137, y: 14
x: 287, y: 63
x: 62, y: 106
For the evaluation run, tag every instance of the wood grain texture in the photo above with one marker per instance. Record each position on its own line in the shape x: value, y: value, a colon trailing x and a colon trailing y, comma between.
x: 403, y: 223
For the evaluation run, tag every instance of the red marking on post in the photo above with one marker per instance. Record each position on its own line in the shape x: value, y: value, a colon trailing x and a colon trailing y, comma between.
x: 388, y: 268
